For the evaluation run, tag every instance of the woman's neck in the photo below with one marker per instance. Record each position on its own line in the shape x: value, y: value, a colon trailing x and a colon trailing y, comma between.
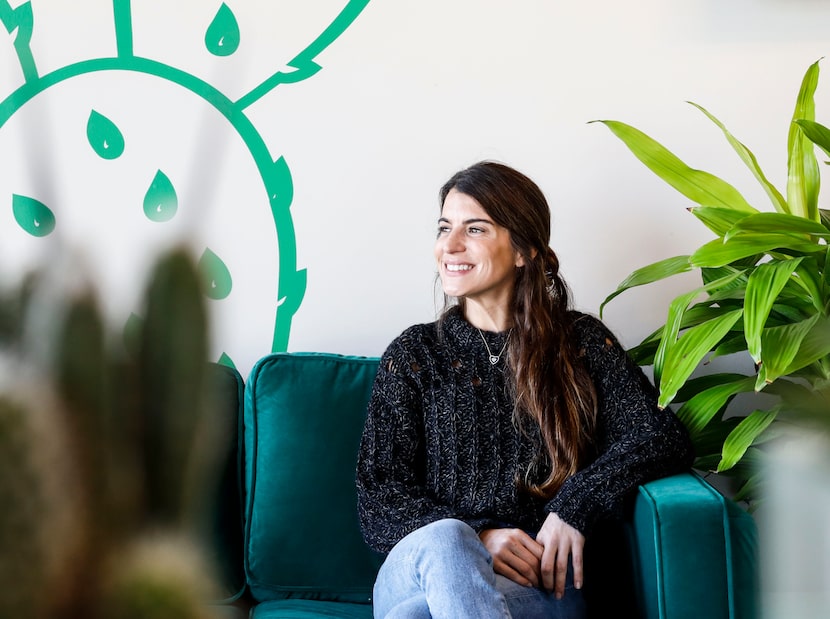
x: 495, y: 318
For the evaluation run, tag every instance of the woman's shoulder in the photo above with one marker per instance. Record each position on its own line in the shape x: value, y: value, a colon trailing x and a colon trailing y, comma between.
x: 588, y: 327
x: 413, y: 343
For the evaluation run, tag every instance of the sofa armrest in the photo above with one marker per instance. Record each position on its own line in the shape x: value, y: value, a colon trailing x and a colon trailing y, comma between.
x: 694, y: 552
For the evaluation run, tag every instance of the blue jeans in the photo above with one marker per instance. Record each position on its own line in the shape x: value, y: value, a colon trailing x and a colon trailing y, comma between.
x: 443, y: 570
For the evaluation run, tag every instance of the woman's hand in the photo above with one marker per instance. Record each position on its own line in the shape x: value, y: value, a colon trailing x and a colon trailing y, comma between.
x: 561, y: 542
x: 515, y: 554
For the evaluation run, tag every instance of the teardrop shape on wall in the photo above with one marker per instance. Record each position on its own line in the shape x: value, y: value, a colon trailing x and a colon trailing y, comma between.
x: 224, y: 359
x: 216, y: 278
x: 104, y: 137
x: 33, y: 216
x: 222, y: 36
x: 161, y: 201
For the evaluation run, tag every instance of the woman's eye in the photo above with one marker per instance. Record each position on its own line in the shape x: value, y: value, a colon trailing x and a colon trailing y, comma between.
x: 443, y: 230
x: 474, y: 230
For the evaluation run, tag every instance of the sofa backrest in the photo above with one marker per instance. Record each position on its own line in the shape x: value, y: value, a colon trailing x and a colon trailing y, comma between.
x: 303, y: 419
x: 223, y: 526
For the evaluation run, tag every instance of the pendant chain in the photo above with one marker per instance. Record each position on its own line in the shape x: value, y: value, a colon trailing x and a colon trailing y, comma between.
x: 494, y: 359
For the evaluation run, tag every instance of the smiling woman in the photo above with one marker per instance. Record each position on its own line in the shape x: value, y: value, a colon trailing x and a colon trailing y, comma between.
x: 476, y: 260
x: 498, y: 436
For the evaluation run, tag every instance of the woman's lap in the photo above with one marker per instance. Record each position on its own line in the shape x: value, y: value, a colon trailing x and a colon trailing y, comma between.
x: 443, y: 570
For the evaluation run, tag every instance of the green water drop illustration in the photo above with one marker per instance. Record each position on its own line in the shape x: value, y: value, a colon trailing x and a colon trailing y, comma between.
x: 216, y: 278
x: 222, y: 36
x: 226, y: 360
x: 104, y: 137
x: 33, y: 216
x: 160, y: 201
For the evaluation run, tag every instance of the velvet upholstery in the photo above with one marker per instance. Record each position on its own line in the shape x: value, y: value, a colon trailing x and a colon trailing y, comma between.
x: 682, y: 551
x: 303, y: 419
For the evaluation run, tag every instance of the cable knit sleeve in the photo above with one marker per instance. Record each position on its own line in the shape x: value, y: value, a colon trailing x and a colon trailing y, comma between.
x: 635, y: 442
x: 392, y: 501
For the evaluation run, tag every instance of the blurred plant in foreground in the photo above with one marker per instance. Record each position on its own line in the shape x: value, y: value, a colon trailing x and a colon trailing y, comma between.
x: 108, y: 454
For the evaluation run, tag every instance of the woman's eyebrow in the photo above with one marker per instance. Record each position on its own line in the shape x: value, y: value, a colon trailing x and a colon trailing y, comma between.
x: 476, y: 220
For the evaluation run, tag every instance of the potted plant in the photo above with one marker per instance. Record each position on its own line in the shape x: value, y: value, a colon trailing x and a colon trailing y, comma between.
x: 765, y: 292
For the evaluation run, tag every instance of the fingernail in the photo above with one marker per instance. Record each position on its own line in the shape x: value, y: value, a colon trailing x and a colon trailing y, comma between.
x: 558, y: 596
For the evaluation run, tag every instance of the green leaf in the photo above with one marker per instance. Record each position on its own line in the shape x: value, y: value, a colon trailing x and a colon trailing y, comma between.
x: 788, y: 348
x: 699, y: 410
x: 718, y: 219
x: 648, y: 274
x: 676, y: 317
x: 751, y: 162
x: 686, y: 353
x: 719, y: 253
x: 817, y: 133
x: 700, y: 187
x: 743, y: 436
x: 765, y: 284
x: 802, y: 167
x: 777, y: 223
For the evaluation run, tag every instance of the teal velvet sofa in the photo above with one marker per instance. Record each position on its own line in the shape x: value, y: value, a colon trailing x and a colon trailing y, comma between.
x: 287, y: 532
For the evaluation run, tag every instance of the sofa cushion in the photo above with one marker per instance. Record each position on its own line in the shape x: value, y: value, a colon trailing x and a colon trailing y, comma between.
x: 303, y: 419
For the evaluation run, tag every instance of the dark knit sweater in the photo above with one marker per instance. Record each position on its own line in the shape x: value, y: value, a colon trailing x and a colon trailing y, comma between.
x: 440, y: 440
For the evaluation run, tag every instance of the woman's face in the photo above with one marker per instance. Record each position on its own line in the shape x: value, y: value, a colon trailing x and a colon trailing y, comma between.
x: 476, y: 259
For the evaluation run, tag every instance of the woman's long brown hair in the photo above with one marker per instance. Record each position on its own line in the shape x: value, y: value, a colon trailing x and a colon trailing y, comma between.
x: 550, y: 384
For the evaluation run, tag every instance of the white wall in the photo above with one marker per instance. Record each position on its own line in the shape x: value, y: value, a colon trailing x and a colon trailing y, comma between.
x: 411, y: 92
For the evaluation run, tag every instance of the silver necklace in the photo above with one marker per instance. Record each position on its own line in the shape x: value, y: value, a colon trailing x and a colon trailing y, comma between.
x: 494, y: 359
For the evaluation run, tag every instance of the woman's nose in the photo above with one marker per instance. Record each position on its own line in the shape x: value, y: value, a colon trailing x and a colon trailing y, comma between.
x: 453, y: 242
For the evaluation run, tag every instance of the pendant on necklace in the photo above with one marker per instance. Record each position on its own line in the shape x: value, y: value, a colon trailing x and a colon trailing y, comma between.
x: 494, y: 359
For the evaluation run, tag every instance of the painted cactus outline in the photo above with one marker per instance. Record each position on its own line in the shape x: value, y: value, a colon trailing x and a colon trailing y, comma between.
x: 275, y: 174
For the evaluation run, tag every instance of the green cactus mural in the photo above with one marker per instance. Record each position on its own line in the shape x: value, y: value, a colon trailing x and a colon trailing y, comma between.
x: 108, y: 440
x: 98, y: 96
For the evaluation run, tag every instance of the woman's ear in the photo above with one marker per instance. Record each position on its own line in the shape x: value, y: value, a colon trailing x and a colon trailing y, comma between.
x: 520, y: 260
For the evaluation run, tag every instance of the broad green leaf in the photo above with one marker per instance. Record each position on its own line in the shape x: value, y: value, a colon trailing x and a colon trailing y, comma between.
x: 743, y: 436
x: 751, y: 162
x: 710, y: 274
x: 676, y: 317
x: 699, y: 410
x: 648, y: 274
x: 701, y: 383
x: 807, y: 276
x: 718, y: 253
x: 685, y: 355
x: 802, y: 167
x: 814, y: 347
x: 777, y: 223
x: 700, y: 187
x: 817, y: 133
x: 765, y: 284
x: 781, y: 345
x: 709, y: 441
x: 729, y: 346
x: 718, y: 219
